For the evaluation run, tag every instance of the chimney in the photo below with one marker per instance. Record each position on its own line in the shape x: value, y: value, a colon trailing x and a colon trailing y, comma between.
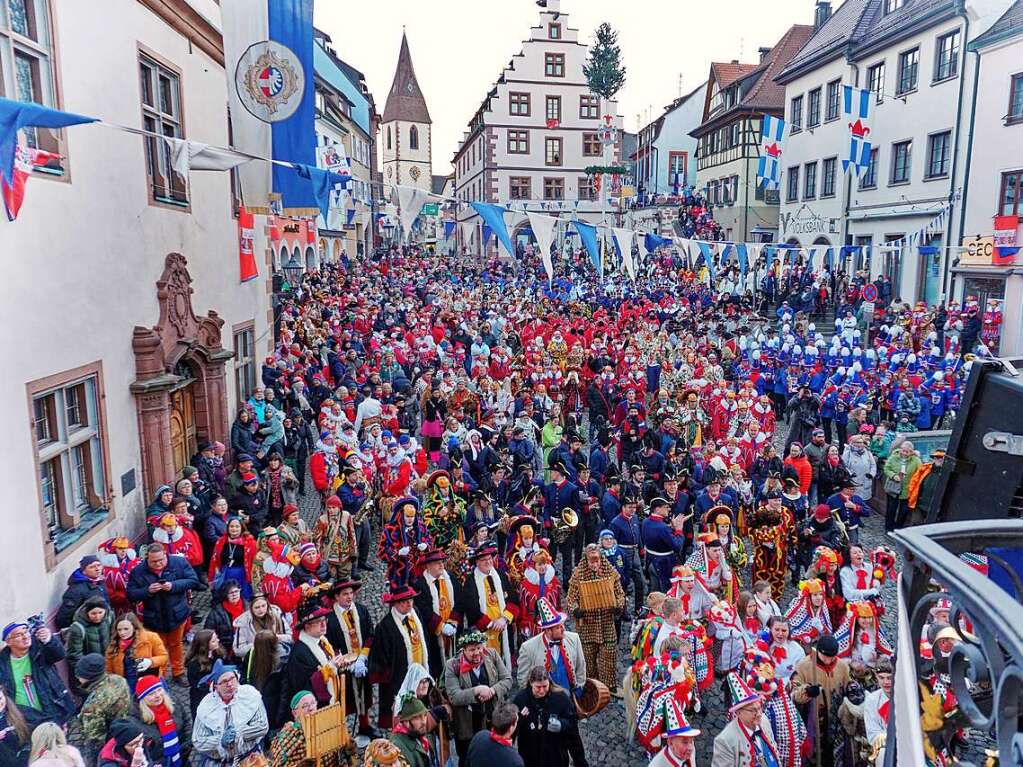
x: 763, y: 51
x: 735, y: 61
x: 821, y: 13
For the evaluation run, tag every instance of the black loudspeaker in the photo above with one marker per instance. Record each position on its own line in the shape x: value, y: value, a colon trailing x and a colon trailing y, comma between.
x: 982, y: 476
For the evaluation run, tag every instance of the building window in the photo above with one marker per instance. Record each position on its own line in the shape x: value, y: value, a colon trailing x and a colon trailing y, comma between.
x: 796, y: 115
x: 946, y: 63
x: 834, y: 91
x: 27, y: 71
x: 554, y: 64
x: 813, y: 108
x: 792, y: 191
x: 244, y: 363
x: 70, y: 456
x: 519, y: 188
x: 678, y: 168
x: 589, y: 107
x: 732, y: 135
x: 909, y: 68
x: 869, y: 178
x: 413, y: 137
x: 875, y: 81
x: 518, y: 104
x: 1009, y: 196
x: 939, y: 147
x: 552, y: 151
x: 161, y: 115
x: 901, y: 154
x: 554, y: 188
x: 586, y: 190
x: 591, y: 145
x: 810, y: 181
x: 554, y: 31
x: 726, y: 191
x: 553, y: 112
x: 828, y: 165
x: 518, y: 142
x: 1015, y: 99
x: 892, y: 5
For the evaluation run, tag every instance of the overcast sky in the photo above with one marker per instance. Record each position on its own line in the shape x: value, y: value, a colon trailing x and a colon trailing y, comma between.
x: 459, y: 47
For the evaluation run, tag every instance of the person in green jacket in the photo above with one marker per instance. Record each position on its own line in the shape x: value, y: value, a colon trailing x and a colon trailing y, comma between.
x: 89, y: 632
x: 107, y: 698
x: 900, y: 467
x: 408, y: 733
x: 550, y: 438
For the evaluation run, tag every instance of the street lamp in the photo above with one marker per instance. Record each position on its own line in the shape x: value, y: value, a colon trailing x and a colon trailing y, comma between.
x: 293, y: 269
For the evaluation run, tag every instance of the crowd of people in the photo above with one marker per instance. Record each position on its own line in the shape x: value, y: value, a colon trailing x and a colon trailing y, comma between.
x: 544, y: 478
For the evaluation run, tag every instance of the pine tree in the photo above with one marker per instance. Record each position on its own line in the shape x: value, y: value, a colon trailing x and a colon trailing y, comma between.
x: 604, y: 70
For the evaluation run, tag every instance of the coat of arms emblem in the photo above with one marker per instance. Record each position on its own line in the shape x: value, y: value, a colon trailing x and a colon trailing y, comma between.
x: 270, y: 81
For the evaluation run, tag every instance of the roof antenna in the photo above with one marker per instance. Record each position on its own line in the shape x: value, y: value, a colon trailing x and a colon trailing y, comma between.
x: 742, y: 47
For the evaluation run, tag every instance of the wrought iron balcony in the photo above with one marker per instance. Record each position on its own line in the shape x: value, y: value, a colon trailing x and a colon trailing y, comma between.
x: 986, y: 667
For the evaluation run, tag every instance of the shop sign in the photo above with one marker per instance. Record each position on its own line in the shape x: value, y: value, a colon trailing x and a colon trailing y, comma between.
x: 292, y: 228
x: 977, y: 251
x: 805, y: 221
x: 431, y: 209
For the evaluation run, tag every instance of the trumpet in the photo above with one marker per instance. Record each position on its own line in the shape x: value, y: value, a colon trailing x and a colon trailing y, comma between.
x: 564, y: 525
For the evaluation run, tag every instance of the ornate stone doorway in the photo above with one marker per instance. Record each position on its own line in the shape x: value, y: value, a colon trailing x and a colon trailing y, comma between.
x: 180, y: 386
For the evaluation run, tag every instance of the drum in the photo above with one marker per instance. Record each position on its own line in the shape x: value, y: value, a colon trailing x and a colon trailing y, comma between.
x: 593, y: 699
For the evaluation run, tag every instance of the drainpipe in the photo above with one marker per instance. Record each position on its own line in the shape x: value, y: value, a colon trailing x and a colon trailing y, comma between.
x: 947, y: 251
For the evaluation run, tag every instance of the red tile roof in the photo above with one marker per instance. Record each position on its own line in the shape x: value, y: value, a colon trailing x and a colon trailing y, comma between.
x: 767, y: 94
x: 726, y: 73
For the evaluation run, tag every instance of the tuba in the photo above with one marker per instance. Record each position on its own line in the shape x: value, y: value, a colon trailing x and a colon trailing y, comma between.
x: 564, y: 525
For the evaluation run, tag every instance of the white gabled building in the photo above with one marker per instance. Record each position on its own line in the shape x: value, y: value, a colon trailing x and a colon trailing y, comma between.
x: 665, y: 158
x: 130, y: 335
x: 910, y: 53
x: 537, y: 130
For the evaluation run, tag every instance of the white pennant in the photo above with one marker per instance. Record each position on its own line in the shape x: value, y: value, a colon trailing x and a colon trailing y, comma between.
x: 624, y: 239
x: 411, y: 201
x: 543, y: 229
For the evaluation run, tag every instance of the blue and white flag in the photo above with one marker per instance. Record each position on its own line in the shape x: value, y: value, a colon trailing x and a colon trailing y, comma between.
x: 856, y: 106
x: 268, y: 54
x: 772, y: 134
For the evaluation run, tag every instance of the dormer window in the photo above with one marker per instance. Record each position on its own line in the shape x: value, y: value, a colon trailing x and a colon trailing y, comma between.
x: 890, y: 6
x: 554, y: 31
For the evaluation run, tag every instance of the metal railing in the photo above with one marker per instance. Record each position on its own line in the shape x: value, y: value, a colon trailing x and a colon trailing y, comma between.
x: 986, y: 667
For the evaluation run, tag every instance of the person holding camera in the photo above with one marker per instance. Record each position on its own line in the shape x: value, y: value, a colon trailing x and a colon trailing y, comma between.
x: 29, y: 675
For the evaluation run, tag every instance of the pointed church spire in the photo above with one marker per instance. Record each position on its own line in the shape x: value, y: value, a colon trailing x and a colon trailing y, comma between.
x: 405, y: 100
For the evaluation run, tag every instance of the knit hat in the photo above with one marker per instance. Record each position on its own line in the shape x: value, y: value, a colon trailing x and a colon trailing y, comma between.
x: 741, y: 693
x: 306, y: 547
x: 249, y: 477
x: 675, y: 723
x: 146, y: 685
x: 11, y: 627
x: 333, y: 502
x: 298, y: 697
x: 90, y: 667
x: 821, y: 512
x: 547, y: 616
x: 289, y: 508
x: 88, y: 559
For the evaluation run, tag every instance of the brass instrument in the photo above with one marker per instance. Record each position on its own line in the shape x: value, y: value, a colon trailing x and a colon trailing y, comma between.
x: 363, y: 512
x: 504, y: 519
x: 564, y: 525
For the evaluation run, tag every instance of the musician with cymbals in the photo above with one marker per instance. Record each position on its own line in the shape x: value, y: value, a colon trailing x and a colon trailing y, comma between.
x: 595, y: 600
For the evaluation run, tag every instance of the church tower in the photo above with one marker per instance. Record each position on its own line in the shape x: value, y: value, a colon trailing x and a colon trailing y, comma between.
x: 405, y: 130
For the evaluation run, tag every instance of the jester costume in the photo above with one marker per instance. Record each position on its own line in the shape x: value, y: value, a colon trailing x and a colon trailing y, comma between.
x: 403, y: 543
x: 657, y: 680
x: 787, y: 726
x: 718, y: 578
x: 334, y: 536
x: 859, y: 643
x: 443, y: 511
x: 807, y: 622
x: 597, y: 627
x: 771, y: 532
x: 534, y: 586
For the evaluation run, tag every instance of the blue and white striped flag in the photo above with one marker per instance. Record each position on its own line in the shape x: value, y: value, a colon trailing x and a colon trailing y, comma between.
x: 856, y: 106
x: 772, y: 133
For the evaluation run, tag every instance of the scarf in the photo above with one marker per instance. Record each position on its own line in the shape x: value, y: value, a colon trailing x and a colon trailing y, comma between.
x: 234, y: 609
x: 164, y: 721
x: 276, y: 499
x: 465, y: 667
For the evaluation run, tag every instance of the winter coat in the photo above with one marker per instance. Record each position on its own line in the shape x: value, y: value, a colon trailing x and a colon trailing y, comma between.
x: 242, y: 439
x: 55, y: 702
x: 164, y: 611
x: 108, y: 699
x: 220, y: 621
x: 245, y: 632
x: 79, y: 588
x: 147, y: 644
x: 863, y: 468
x: 83, y: 636
x: 538, y: 746
x: 252, y: 504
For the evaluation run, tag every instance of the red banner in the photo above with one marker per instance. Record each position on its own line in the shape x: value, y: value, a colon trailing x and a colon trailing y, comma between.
x: 246, y: 253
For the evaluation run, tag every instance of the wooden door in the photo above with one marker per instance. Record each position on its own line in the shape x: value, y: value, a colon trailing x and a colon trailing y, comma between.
x: 182, y: 426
